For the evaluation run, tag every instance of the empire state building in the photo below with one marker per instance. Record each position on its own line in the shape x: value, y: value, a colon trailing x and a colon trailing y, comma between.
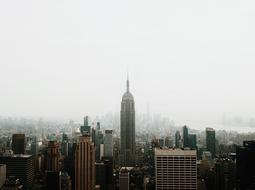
x: 127, y: 129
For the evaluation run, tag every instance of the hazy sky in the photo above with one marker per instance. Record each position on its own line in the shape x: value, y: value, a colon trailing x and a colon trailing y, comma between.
x: 188, y: 60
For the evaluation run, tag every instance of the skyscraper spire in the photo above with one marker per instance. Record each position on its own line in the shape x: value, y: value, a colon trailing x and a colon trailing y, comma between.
x: 127, y: 83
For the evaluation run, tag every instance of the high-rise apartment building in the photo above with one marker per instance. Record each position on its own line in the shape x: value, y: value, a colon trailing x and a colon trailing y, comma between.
x: 18, y: 143
x: 210, y: 141
x: 175, y: 169
x: 85, y: 163
x: 127, y: 129
x: 108, y: 143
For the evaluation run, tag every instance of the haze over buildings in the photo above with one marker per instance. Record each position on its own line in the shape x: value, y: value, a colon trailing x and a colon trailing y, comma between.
x: 187, y: 60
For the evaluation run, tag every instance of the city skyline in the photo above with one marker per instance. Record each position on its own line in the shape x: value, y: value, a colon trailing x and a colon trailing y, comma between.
x: 188, y: 62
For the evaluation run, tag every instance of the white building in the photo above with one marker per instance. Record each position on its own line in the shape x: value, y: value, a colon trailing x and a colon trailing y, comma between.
x: 108, y: 143
x: 175, y: 169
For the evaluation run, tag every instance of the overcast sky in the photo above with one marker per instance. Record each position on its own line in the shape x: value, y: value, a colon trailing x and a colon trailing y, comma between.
x: 188, y: 60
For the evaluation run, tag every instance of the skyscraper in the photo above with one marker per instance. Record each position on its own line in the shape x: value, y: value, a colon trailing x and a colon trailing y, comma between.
x: 185, y: 136
x: 192, y: 141
x: 210, y: 141
x: 175, y: 169
x: 127, y: 129
x: 85, y: 128
x: 99, y: 139
x: 85, y: 164
x: 108, y: 144
x: 18, y: 143
x: 177, y: 139
x: 52, y: 157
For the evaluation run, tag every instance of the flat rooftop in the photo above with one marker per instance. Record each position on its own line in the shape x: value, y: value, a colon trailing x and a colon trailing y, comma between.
x: 174, y: 152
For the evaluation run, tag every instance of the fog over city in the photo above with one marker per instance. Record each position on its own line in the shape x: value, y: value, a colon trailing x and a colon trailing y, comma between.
x: 190, y: 61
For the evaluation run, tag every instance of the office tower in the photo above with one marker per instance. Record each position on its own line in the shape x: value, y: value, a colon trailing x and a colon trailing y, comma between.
x: 127, y: 129
x: 210, y: 141
x: 53, y: 180
x: 52, y: 156
x: 108, y: 143
x: 175, y: 169
x: 85, y: 128
x: 2, y: 174
x: 192, y: 141
x: 21, y: 166
x: 177, y: 139
x: 85, y: 163
x: 104, y: 174
x: 245, y: 165
x: 18, y: 143
x: 124, y: 179
x: 185, y: 136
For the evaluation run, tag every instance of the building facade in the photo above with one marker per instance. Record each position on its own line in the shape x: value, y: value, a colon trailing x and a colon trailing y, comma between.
x: 85, y: 164
x: 21, y: 166
x: 175, y: 169
x: 52, y: 156
x: 108, y: 143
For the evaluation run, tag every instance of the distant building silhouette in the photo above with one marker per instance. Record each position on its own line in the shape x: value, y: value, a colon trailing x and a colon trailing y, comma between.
x: 127, y: 129
x: 85, y: 163
x: 85, y: 128
x: 18, y: 143
x: 185, y: 136
x: 192, y: 141
x: 177, y: 139
x: 210, y: 141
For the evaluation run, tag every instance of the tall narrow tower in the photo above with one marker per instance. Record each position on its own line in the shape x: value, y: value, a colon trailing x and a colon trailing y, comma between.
x: 85, y: 164
x: 127, y: 129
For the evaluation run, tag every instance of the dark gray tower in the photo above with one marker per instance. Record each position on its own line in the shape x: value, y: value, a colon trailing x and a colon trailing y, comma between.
x: 127, y: 129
